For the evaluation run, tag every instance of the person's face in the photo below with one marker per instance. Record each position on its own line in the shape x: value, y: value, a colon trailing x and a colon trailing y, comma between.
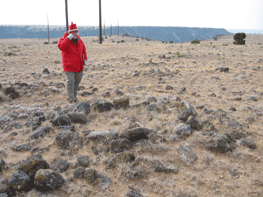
x: 75, y: 34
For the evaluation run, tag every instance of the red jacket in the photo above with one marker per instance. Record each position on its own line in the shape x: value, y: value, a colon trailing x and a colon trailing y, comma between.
x: 72, y: 54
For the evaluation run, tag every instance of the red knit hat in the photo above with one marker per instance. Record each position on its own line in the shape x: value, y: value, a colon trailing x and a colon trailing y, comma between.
x: 73, y: 27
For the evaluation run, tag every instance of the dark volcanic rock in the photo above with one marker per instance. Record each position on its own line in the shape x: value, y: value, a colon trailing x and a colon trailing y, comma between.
x: 220, y: 143
x: 60, y: 166
x: 193, y: 123
x: 40, y: 132
x: 183, y: 130
x: 119, y: 158
x: 101, y: 136
x: 33, y: 164
x: 102, y: 106
x: 19, y: 180
x: 69, y: 140
x: 83, y: 161
x: 222, y: 69
x: 187, y: 155
x: 121, y: 103
x: 165, y: 167
x: 78, y: 118
x: 47, y: 179
x: 22, y: 147
x: 135, y: 134
x: 120, y: 145
x: 11, y: 92
x: 82, y: 107
x: 247, y: 143
x: 61, y: 121
x: 133, y: 193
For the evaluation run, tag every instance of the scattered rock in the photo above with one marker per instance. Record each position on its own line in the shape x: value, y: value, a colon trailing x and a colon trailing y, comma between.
x: 61, y: 121
x: 187, y: 155
x: 135, y: 134
x: 156, y: 107
x: 133, y: 193
x: 83, y: 161
x: 33, y: 164
x: 120, y: 145
x: 11, y: 92
x: 45, y: 71
x: 77, y: 118
x: 236, y: 135
x: 102, y: 106
x: 60, y: 166
x: 121, y: 103
x: 207, y: 126
x: 193, y: 123
x: 220, y: 143
x: 69, y: 140
x: 181, y: 90
x: 95, y: 150
x: 19, y: 181
x: 247, y: 143
x: 88, y: 174
x: 48, y: 179
x: 106, y: 95
x: 101, y: 136
x: 120, y: 157
x: 40, y: 132
x: 183, y: 130
x: 22, y: 147
x: 82, y: 107
x: 222, y: 69
x: 166, y: 167
x: 185, y: 114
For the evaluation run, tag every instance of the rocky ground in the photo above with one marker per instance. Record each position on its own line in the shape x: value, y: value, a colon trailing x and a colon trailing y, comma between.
x: 153, y: 119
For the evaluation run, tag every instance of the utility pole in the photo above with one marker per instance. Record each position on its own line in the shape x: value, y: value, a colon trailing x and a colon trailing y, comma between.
x: 66, y: 8
x: 48, y: 30
x: 100, y: 21
x: 118, y: 28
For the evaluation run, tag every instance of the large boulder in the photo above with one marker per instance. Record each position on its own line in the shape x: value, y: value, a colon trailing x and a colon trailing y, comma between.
x: 19, y: 181
x: 48, y: 179
x: 33, y: 164
x: 69, y: 140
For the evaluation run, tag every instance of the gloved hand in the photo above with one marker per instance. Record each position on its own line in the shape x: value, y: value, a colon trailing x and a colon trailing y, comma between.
x: 85, y: 62
x: 70, y: 36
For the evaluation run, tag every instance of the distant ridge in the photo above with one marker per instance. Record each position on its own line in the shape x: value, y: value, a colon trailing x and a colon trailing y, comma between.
x: 175, y: 34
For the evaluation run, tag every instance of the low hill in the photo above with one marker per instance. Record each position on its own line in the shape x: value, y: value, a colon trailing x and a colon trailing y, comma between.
x: 175, y: 34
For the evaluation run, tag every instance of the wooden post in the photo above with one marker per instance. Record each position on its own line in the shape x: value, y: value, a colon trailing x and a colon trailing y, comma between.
x: 100, y: 21
x: 48, y: 30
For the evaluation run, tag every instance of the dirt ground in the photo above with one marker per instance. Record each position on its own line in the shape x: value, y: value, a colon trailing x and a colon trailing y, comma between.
x: 142, y: 69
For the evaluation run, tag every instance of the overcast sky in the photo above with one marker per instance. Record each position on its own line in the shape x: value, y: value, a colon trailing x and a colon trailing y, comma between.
x: 228, y: 14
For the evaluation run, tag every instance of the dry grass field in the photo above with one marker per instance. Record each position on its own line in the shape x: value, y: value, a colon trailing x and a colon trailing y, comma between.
x: 170, y: 72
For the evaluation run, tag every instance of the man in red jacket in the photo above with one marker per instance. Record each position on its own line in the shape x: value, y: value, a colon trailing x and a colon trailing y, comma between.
x: 74, y: 57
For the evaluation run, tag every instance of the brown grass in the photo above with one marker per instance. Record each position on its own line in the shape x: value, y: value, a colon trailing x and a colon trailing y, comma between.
x: 111, y: 66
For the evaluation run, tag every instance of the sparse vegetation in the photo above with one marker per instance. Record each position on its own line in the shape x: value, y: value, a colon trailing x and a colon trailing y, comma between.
x: 195, y: 41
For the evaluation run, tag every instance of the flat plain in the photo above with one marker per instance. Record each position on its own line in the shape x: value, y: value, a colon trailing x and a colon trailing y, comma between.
x: 222, y: 82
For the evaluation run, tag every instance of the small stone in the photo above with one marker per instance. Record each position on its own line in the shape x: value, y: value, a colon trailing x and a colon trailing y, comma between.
x: 83, y: 161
